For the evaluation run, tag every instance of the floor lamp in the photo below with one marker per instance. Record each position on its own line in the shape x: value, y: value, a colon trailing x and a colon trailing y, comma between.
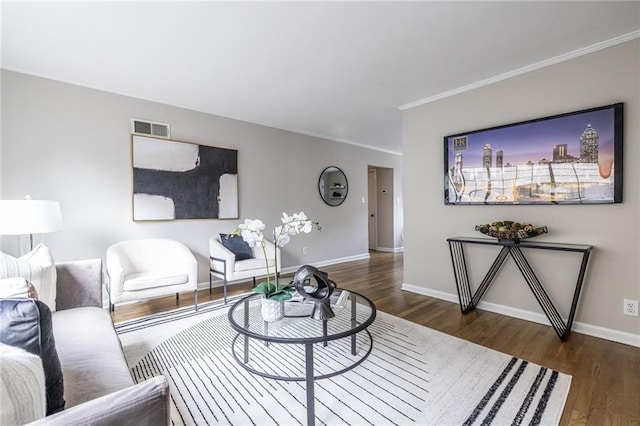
x: 28, y: 217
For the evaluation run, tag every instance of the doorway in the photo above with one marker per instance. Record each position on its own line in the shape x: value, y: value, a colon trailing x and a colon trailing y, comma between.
x: 381, y: 209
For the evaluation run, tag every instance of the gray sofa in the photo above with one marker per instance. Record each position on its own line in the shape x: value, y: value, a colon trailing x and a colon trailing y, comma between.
x: 98, y: 387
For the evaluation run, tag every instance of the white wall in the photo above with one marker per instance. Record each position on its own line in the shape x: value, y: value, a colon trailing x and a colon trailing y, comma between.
x: 601, y: 78
x: 73, y: 144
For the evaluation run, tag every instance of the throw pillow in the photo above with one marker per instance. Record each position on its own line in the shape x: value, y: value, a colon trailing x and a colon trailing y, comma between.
x: 237, y: 246
x: 37, y: 267
x: 26, y: 324
x: 22, y: 386
x: 17, y: 287
x: 13, y: 287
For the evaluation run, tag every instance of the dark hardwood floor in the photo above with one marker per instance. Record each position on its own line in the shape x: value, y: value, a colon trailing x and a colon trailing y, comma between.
x: 605, y: 388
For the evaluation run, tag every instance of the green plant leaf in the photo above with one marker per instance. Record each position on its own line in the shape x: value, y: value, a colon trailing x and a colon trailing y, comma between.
x: 273, y: 291
x: 281, y: 296
x: 261, y: 290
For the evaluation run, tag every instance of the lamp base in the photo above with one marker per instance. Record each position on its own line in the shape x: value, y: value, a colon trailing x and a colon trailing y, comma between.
x: 27, y: 242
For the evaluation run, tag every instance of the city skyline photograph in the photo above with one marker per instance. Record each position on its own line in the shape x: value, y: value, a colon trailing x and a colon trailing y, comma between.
x: 535, y: 140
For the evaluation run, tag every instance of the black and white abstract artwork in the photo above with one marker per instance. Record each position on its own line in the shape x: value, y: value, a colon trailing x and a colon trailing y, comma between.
x: 180, y: 180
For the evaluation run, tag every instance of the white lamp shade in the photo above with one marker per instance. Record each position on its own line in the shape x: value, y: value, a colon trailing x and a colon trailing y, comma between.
x: 29, y: 217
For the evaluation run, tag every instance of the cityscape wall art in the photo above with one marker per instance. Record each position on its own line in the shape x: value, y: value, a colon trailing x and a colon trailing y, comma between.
x: 572, y: 158
x: 180, y: 180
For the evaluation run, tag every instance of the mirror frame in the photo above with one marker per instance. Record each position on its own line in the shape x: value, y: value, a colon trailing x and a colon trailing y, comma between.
x: 333, y: 202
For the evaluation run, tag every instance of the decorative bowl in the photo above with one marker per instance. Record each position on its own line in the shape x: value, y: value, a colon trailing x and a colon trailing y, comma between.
x: 510, y: 230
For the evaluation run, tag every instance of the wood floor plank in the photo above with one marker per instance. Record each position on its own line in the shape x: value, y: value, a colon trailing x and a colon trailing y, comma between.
x: 605, y: 388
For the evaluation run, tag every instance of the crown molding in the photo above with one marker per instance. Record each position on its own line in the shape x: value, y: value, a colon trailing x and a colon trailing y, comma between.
x: 520, y: 71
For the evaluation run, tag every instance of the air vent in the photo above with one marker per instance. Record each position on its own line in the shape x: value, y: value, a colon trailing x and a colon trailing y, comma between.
x: 151, y: 128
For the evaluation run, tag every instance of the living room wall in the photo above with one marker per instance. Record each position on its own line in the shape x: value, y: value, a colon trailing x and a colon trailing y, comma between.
x: 596, y: 79
x: 73, y: 144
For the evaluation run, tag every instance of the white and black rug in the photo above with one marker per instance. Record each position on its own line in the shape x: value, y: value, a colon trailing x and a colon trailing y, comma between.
x: 414, y: 376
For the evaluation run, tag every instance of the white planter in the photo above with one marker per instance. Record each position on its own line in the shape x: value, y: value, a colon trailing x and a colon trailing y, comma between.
x: 272, y: 310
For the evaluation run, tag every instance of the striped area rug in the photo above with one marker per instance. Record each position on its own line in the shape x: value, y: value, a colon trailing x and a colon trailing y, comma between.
x: 414, y: 376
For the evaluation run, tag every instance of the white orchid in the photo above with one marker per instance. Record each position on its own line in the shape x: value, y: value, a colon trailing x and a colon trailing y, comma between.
x: 252, y: 231
x: 293, y: 225
x: 306, y: 227
x: 282, y: 236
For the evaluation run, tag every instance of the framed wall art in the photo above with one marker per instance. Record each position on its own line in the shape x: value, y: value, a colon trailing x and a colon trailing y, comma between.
x: 180, y: 180
x: 572, y: 158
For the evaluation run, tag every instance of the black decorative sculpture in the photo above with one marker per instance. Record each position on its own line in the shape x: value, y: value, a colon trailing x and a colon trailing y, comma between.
x: 321, y: 294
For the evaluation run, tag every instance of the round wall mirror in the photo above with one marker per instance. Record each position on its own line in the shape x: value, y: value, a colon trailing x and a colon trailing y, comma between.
x: 333, y: 186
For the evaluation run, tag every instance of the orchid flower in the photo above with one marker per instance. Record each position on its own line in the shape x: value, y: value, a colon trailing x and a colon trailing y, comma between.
x: 252, y: 231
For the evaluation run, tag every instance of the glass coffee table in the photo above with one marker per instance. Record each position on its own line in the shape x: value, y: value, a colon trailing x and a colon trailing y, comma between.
x: 284, y: 350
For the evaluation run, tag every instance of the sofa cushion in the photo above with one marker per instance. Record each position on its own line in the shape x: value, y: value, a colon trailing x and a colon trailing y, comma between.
x: 144, y: 280
x: 38, y: 268
x: 146, y: 403
x: 90, y: 354
x: 236, y: 245
x: 79, y: 283
x: 27, y: 324
x: 22, y: 386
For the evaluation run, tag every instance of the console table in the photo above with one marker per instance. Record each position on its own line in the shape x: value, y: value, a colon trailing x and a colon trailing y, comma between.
x: 469, y: 300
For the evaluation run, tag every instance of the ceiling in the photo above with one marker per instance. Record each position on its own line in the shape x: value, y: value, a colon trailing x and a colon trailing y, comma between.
x: 338, y: 70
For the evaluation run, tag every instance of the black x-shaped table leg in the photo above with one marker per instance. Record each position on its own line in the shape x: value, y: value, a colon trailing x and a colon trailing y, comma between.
x: 469, y: 300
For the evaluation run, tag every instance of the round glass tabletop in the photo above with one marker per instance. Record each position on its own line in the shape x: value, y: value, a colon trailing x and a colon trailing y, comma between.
x: 352, y: 315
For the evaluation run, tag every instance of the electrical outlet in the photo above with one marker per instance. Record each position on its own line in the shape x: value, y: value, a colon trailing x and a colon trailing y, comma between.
x: 630, y: 307
x: 306, y: 251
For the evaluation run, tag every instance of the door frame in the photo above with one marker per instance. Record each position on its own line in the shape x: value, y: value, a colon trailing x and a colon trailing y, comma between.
x: 372, y: 188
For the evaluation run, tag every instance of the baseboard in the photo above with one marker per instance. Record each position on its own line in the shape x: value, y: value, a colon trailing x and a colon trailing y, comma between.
x: 579, y: 327
x: 607, y: 333
x: 390, y: 249
x: 322, y: 263
x: 290, y: 269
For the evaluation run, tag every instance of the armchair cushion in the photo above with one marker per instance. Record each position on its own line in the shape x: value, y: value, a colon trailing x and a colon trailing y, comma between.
x: 237, y: 246
x: 142, y: 280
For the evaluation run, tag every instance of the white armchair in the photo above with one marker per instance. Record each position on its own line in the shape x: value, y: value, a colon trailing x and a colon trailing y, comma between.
x: 142, y: 269
x: 223, y: 263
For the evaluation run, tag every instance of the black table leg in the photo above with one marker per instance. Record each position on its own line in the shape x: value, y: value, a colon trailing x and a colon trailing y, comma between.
x: 246, y: 326
x: 490, y: 276
x: 311, y: 410
x: 468, y: 299
x: 324, y: 331
x: 353, y: 322
x: 539, y: 292
x: 576, y: 293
